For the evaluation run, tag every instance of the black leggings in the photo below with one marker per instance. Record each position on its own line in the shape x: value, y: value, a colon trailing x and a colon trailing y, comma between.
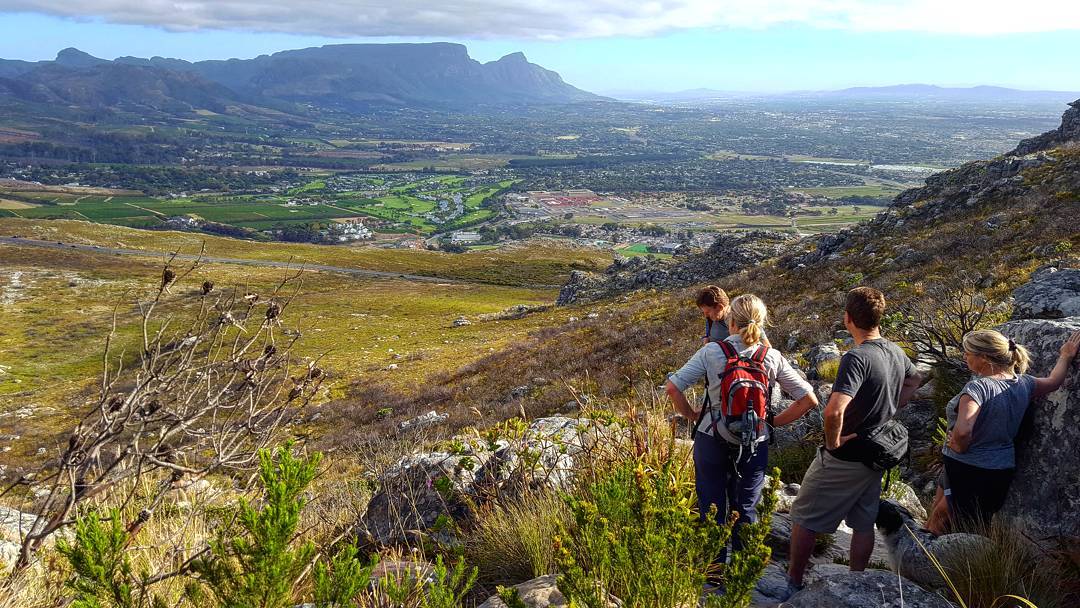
x: 976, y: 493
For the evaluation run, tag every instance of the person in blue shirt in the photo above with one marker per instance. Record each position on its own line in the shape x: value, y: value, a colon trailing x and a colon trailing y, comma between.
x: 713, y: 303
x: 983, y: 420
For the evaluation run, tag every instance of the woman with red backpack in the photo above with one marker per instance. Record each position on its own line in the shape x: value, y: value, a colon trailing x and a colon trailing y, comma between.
x: 732, y: 431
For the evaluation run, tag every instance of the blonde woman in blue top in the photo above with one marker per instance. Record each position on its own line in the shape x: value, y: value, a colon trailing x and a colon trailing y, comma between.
x: 983, y: 421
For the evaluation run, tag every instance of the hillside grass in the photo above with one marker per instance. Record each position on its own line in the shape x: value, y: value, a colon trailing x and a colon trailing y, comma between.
x: 531, y: 265
x: 58, y: 304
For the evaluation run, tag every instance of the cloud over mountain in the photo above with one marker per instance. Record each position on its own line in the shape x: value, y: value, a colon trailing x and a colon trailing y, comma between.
x: 559, y: 19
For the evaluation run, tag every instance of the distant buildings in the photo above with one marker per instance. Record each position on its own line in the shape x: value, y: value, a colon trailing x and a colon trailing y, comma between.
x: 462, y: 237
x: 563, y: 198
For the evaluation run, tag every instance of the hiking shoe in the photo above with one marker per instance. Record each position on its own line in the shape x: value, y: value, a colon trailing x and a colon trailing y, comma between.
x: 791, y: 590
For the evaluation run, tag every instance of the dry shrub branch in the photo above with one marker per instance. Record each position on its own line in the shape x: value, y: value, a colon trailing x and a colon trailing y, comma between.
x: 205, y: 392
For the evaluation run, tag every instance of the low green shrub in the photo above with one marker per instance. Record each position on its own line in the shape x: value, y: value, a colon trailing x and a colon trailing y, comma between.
x: 748, y: 564
x: 260, y: 565
x: 793, y: 460
x: 102, y: 573
x: 827, y: 370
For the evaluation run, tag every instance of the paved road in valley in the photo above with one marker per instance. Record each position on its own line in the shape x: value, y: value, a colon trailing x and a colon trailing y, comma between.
x: 361, y: 272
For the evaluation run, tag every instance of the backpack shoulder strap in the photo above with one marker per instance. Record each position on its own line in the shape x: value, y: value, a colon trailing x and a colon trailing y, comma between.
x: 729, y: 350
x: 759, y: 354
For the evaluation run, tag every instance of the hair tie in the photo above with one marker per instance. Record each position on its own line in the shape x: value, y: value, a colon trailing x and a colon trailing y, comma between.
x: 1012, y: 345
x: 751, y: 322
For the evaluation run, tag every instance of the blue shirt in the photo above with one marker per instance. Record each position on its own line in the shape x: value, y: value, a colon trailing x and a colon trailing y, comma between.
x: 1002, y: 405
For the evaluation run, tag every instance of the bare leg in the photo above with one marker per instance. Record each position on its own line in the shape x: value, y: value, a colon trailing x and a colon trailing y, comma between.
x: 802, y: 545
x: 862, y: 545
x: 938, y: 522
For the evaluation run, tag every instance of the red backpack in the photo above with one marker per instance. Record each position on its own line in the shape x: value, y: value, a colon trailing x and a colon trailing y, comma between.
x: 746, y: 392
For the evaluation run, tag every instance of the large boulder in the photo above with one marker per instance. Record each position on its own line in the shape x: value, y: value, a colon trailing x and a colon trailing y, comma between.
x: 540, y: 592
x: 871, y: 588
x: 424, y: 494
x: 1051, y: 294
x: 1046, y: 487
x: 543, y: 456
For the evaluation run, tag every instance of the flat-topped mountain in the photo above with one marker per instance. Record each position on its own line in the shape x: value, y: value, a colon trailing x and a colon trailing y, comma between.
x: 345, y: 76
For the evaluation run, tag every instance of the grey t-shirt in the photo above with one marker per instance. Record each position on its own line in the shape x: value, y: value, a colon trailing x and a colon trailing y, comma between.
x: 1002, y: 405
x: 873, y: 375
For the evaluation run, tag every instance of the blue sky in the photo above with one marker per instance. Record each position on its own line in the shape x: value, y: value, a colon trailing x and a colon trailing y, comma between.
x: 757, y: 56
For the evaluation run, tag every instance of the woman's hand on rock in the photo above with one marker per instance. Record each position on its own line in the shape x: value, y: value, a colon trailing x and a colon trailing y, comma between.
x: 1071, y: 346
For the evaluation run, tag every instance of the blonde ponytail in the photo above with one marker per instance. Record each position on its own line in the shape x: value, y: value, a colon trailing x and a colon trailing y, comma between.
x: 1021, y: 359
x: 749, y: 315
x: 999, y: 350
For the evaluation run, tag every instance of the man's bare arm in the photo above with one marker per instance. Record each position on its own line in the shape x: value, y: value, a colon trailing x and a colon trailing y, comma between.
x: 834, y: 420
x: 911, y: 384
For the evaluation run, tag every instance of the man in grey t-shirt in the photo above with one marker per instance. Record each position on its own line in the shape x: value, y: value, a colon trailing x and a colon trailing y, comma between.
x: 873, y: 379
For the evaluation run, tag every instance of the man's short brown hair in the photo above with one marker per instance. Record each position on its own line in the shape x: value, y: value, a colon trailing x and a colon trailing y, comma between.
x: 711, y: 295
x: 865, y: 306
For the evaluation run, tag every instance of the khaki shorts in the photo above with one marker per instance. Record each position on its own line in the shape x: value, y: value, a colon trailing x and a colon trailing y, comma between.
x: 835, y: 490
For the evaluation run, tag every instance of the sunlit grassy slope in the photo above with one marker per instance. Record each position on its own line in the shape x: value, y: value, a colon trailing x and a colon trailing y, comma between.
x: 57, y: 305
x: 532, y: 265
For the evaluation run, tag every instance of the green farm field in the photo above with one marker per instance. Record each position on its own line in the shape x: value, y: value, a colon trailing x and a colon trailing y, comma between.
x: 407, y: 205
x: 836, y: 192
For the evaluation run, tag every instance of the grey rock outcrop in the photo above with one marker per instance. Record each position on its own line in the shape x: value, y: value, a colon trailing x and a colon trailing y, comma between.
x: 1068, y: 131
x: 14, y: 526
x: 1051, y: 294
x: 771, y: 587
x: 1047, y: 478
x: 422, y: 494
x: 729, y: 253
x: 543, y: 457
x: 876, y: 588
x: 419, y: 493
x: 422, y: 421
x: 820, y: 353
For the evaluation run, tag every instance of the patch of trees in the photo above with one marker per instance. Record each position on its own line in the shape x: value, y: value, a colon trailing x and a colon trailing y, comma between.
x: 872, y: 201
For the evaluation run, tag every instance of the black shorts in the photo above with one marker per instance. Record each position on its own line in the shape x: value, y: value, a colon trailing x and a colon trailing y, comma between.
x: 975, y: 493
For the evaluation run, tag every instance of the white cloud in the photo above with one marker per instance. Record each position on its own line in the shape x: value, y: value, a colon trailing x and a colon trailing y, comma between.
x: 559, y: 19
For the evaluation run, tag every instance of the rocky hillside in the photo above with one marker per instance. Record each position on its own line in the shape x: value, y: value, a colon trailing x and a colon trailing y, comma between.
x: 729, y: 254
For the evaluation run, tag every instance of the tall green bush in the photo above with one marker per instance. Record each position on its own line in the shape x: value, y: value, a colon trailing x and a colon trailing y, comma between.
x: 748, y: 564
x: 638, y: 536
x: 260, y: 566
x: 103, y: 576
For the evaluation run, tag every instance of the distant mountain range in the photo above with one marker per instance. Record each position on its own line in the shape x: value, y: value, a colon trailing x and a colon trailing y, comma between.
x: 347, y: 76
x: 902, y: 92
